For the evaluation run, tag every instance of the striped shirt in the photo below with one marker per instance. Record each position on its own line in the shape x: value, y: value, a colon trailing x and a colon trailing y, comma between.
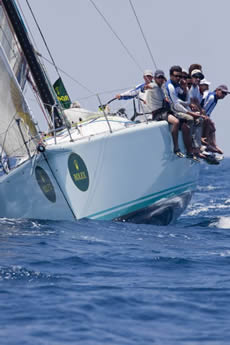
x: 210, y: 102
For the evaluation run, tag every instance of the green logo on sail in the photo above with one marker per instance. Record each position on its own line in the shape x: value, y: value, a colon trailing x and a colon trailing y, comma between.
x: 78, y: 172
x: 45, y: 184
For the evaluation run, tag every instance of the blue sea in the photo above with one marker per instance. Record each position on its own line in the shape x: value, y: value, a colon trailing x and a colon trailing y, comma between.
x: 97, y: 282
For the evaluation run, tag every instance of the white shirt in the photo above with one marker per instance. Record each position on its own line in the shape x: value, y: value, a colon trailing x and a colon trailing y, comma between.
x: 154, y: 97
x: 194, y: 92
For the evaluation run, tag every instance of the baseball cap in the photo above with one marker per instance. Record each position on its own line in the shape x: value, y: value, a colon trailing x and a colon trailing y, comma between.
x: 159, y: 73
x: 148, y: 72
x: 197, y: 71
x: 223, y: 88
x: 205, y: 82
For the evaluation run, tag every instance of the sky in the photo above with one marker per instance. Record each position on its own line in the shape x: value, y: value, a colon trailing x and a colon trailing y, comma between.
x: 178, y: 32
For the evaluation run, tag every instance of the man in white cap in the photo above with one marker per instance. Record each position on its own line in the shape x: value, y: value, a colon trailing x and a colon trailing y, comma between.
x: 148, y: 78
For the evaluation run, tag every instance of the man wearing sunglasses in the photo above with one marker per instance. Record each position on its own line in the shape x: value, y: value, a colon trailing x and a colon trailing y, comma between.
x: 209, y: 129
x: 194, y: 91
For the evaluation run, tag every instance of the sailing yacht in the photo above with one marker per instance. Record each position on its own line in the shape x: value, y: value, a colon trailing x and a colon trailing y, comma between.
x: 103, y: 166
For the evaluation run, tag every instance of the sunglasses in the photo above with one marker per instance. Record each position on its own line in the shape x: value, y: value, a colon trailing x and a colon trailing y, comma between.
x: 177, y: 75
x: 160, y: 77
x: 197, y: 76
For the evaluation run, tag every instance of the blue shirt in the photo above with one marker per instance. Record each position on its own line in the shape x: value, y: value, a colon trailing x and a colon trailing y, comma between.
x: 210, y: 102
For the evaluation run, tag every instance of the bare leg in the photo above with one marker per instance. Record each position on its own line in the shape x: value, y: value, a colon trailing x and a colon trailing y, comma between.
x: 210, y: 133
x: 212, y: 144
x: 186, y: 132
x: 174, y: 130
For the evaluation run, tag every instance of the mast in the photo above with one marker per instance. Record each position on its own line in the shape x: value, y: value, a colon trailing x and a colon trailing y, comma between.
x: 32, y: 60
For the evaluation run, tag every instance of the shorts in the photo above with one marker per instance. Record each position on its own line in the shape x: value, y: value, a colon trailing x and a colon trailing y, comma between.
x: 161, y: 117
x: 183, y: 116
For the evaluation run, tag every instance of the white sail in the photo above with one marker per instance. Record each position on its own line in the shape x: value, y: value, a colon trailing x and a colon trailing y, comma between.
x: 14, y: 114
x: 12, y: 49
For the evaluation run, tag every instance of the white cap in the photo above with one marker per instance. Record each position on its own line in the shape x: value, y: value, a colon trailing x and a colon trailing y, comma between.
x: 197, y: 71
x: 148, y: 72
x: 204, y: 82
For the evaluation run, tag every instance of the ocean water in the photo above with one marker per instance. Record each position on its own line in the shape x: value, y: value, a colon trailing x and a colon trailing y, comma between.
x: 95, y: 283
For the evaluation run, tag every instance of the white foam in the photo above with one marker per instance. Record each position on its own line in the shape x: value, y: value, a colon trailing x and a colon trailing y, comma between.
x: 93, y: 239
x: 225, y: 253
x: 206, y: 188
x: 223, y: 223
x: 199, y: 209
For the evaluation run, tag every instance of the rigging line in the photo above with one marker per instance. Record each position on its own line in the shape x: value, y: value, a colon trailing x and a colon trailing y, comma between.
x: 80, y: 84
x: 68, y: 75
x: 139, y: 24
x: 38, y: 100
x: 47, y: 60
x: 7, y: 129
x: 123, y: 45
x: 43, y: 38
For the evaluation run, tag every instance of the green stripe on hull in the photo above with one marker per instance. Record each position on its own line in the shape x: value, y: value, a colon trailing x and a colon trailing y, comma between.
x: 126, y: 208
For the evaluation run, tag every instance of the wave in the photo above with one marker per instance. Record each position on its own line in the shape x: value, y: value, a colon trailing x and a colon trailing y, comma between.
x: 22, y: 273
x: 206, y: 188
x: 201, y: 208
x: 222, y: 223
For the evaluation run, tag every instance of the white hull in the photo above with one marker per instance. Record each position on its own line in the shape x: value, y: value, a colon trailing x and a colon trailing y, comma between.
x: 129, y: 174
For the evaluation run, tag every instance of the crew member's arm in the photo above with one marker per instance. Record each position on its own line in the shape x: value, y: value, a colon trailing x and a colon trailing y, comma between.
x: 130, y: 93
